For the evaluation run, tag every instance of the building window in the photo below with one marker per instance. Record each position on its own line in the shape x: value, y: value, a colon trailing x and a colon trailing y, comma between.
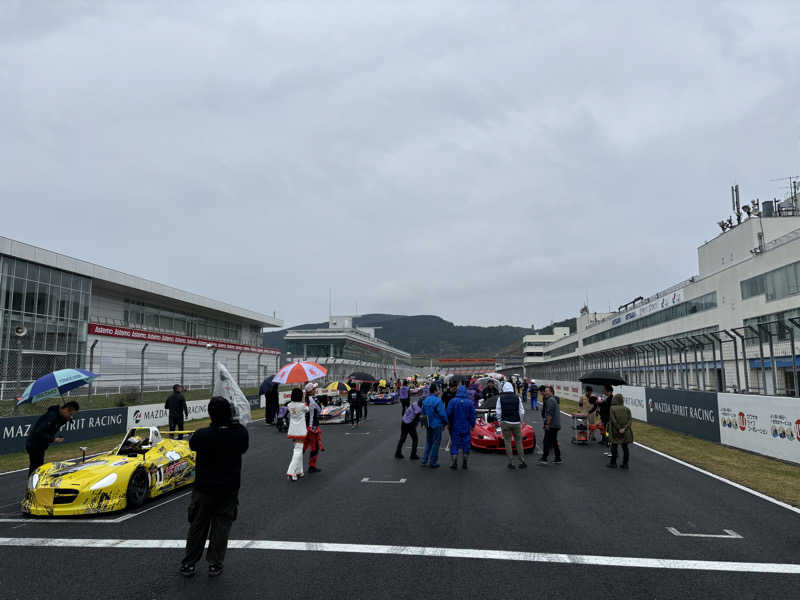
x: 690, y: 307
x: 776, y: 284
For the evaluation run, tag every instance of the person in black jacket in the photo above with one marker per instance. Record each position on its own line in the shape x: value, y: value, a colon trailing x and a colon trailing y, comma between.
x: 215, y: 497
x: 355, y: 400
x: 365, y: 388
x: 44, y: 431
x: 177, y: 409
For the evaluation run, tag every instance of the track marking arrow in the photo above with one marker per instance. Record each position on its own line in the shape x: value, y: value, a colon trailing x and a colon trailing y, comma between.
x: 369, y: 480
x: 729, y: 534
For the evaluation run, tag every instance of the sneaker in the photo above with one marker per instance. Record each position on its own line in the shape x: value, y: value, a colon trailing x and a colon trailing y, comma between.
x: 436, y: 466
x: 612, y: 465
x: 557, y: 461
x: 423, y: 464
x: 187, y: 570
x: 398, y: 455
x: 314, y: 469
x: 214, y: 569
x: 412, y: 457
x: 511, y: 466
x: 523, y: 465
x: 624, y: 467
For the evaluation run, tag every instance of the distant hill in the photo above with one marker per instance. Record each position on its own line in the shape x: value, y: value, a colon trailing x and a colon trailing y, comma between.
x: 429, y: 335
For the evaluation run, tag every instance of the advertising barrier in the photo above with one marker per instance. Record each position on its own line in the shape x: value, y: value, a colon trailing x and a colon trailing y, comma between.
x: 635, y: 400
x: 694, y: 413
x: 86, y: 425
x: 768, y: 425
x: 155, y: 415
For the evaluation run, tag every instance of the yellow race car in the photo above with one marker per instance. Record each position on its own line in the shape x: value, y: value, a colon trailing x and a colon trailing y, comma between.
x: 145, y: 465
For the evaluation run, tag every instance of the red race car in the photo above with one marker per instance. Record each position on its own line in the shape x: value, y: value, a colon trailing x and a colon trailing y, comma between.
x: 487, y: 434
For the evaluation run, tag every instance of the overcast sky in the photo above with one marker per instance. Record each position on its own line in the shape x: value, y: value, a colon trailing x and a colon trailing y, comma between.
x: 488, y: 162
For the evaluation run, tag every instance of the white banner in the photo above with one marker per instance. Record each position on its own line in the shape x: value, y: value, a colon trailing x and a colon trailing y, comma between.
x: 635, y: 399
x: 155, y: 415
x: 648, y: 309
x: 768, y: 425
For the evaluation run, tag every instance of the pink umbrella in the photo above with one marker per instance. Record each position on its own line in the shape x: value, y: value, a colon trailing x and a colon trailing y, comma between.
x: 298, y: 372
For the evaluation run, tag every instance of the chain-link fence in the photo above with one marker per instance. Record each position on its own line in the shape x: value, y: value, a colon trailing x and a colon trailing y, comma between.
x: 134, y: 373
x: 755, y: 359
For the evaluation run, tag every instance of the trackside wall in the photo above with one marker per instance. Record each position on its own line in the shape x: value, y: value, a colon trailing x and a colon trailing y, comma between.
x: 766, y: 425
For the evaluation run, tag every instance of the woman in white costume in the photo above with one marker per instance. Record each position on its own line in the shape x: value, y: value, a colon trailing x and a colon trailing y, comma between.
x: 297, y: 433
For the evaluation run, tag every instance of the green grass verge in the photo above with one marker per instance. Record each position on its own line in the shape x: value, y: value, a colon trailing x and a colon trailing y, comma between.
x: 19, y: 460
x: 104, y: 401
x: 767, y: 475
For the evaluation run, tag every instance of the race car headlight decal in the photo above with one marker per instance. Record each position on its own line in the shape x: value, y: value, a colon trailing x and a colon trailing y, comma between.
x: 34, y: 480
x: 106, y: 481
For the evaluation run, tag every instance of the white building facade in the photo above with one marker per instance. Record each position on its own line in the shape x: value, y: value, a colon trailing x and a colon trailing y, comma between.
x: 732, y: 327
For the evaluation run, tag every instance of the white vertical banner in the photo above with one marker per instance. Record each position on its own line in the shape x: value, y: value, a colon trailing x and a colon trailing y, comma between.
x: 635, y: 400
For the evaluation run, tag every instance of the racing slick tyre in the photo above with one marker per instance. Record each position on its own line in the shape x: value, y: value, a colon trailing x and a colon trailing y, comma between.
x: 138, y: 487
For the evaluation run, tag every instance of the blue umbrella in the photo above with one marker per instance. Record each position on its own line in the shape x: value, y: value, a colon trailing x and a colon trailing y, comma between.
x: 55, y: 384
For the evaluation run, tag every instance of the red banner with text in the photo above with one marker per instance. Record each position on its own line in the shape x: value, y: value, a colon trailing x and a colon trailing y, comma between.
x: 168, y: 338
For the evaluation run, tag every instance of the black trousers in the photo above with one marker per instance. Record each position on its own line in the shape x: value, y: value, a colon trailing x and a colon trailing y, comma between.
x: 364, y: 405
x: 404, y: 404
x: 625, y: 454
x: 406, y: 430
x: 176, y: 423
x: 551, y: 443
x: 211, y: 517
x: 271, y: 412
x: 355, y: 413
x: 36, y: 457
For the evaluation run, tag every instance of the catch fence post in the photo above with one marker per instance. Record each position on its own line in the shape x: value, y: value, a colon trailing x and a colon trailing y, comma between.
x: 141, y: 375
x: 183, y: 359
x: 91, y: 369
x: 239, y: 369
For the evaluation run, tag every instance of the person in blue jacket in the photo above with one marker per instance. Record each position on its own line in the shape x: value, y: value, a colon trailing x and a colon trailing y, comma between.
x: 434, y: 411
x: 461, y: 415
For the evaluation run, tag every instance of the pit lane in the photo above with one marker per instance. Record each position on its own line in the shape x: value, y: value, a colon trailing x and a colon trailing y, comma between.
x: 578, y: 509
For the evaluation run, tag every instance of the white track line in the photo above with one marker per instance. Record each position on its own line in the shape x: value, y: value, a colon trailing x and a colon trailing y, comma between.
x: 722, y: 479
x: 739, y: 486
x: 65, y: 460
x: 94, y: 521
x: 469, y: 553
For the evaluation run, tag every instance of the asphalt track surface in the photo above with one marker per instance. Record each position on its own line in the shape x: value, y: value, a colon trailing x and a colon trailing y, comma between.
x: 578, y: 509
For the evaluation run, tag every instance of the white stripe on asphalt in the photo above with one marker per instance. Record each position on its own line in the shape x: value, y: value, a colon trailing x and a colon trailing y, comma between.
x: 93, y: 521
x: 729, y: 534
x: 473, y: 553
x: 738, y: 486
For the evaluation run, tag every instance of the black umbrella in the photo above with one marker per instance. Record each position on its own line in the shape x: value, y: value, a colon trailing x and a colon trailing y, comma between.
x: 265, y: 386
x: 361, y: 376
x: 599, y: 377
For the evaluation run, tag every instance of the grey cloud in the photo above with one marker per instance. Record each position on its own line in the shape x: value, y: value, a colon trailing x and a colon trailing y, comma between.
x: 481, y: 161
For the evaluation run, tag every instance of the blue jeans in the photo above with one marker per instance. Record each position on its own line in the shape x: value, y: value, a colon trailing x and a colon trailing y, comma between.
x: 432, y: 442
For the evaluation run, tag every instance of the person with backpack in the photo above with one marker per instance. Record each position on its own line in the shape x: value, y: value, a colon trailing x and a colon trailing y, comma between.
x: 408, y: 427
x: 510, y: 413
